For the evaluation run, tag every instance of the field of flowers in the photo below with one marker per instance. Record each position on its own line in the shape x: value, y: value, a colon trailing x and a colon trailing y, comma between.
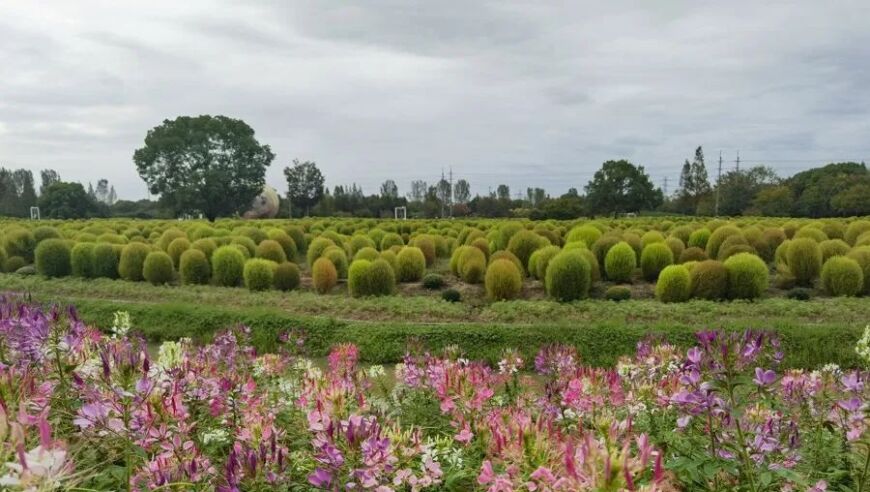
x: 83, y: 410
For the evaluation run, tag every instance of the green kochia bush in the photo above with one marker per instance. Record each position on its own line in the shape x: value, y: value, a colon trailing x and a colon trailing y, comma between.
x: 287, y: 243
x: 699, y: 238
x: 804, y: 260
x: 132, y: 260
x: 271, y: 250
x: 194, y: 268
x: 568, y: 276
x: 748, y: 277
x: 718, y: 237
x: 53, y: 258
x: 323, y: 275
x: 503, y: 280
x: 586, y: 233
x: 674, y: 284
x: 655, y: 257
x: 259, y: 274
x: 176, y: 248
x: 227, y: 264
x: 617, y: 293
x: 338, y: 257
x: 287, y: 276
x: 19, y: 242
x: 861, y: 254
x: 620, y: 262
x: 524, y: 243
x: 82, y: 260
x: 316, y: 248
x: 157, y: 268
x: 542, y: 258
x: 371, y: 278
x: 411, y: 264
x: 842, y: 276
x: 709, y: 280
x: 357, y: 278
x: 105, y: 261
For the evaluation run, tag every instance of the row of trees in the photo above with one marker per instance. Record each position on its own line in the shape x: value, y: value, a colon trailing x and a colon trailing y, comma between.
x: 189, y: 162
x: 55, y: 199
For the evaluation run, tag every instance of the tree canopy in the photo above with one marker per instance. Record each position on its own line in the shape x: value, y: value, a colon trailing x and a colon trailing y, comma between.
x: 207, y: 164
x: 68, y: 201
x: 304, y: 184
x: 620, y: 186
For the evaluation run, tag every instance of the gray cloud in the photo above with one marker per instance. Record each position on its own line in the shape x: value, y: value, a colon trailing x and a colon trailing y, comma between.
x: 525, y: 93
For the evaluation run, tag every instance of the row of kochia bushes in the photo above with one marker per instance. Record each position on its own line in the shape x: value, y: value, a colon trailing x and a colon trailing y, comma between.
x: 709, y: 260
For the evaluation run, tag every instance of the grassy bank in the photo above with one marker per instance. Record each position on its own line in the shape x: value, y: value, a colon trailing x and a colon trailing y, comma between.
x: 813, y: 333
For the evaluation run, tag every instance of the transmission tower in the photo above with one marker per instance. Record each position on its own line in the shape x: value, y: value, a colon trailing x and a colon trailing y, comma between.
x: 718, y: 178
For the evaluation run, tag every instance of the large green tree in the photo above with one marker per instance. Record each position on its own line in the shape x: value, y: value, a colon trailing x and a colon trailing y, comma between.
x: 694, y: 184
x: 737, y: 189
x: 68, y: 201
x: 620, y: 186
x: 207, y: 164
x: 304, y: 184
x: 816, y: 188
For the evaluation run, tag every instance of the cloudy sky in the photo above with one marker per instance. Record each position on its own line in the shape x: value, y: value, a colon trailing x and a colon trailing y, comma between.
x: 526, y: 93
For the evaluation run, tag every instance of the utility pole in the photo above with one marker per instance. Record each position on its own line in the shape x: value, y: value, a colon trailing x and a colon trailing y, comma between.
x: 718, y: 178
x: 439, y: 189
x: 666, y: 186
x: 738, y: 161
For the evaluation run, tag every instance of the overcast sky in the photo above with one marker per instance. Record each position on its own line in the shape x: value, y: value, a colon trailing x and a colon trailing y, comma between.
x: 524, y: 93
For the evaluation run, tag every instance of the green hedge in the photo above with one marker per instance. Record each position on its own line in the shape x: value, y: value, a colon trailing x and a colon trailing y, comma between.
x: 599, y: 343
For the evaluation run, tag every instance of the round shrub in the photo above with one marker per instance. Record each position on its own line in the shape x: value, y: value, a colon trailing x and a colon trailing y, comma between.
x: 382, y: 278
x: 286, y: 276
x: 594, y: 270
x: 227, y: 266
x: 730, y: 242
x: 855, y: 229
x: 620, y: 262
x: 655, y: 257
x: 699, y: 238
x: 271, y: 250
x: 411, y: 264
x: 323, y: 275
x: 693, y: 253
x: 316, y: 248
x: 255, y: 234
x: 543, y: 257
x: 651, y: 237
x: 472, y: 266
x: 842, y: 276
x: 298, y: 236
x: 568, y: 276
x: 287, y: 243
x: 709, y: 280
x: 426, y: 244
x: 358, y: 279
x: 718, y: 237
x: 359, y: 242
x: 338, y: 257
x: 524, y: 243
x: 507, y: 255
x: 14, y: 263
x: 674, y: 284
x: 617, y: 293
x: 391, y: 239
x: 505, y: 233
x: 451, y: 295
x: 603, y: 245
x: 366, y: 253
x: 259, y: 274
x: 247, y: 243
x: 682, y: 233
x: 176, y: 248
x: 586, y: 233
x: 861, y: 254
x: 433, y: 281
x: 804, y: 260
x: 676, y: 246
x: 42, y: 233
x: 157, y: 268
x: 481, y: 244
x: 206, y: 245
x: 193, y: 267
x: 634, y: 241
x: 82, y: 260
x: 503, y: 280
x: 132, y: 260
x: 18, y: 241
x: 168, y: 236
x: 833, y: 247
x: 728, y: 252
x: 811, y: 232
x: 748, y: 277
x: 390, y: 258
x: 53, y: 258
x: 105, y: 261
x: 3, y: 258
x: 454, y: 258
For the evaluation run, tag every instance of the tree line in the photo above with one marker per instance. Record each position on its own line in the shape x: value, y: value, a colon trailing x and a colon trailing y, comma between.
x: 188, y: 162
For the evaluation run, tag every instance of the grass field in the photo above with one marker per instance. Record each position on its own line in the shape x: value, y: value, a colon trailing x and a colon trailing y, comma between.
x: 817, y: 332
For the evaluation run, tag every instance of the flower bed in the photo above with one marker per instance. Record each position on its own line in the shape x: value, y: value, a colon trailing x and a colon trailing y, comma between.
x: 86, y: 411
